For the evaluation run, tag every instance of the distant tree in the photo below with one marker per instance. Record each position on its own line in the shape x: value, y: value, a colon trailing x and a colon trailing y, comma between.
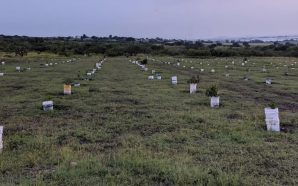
x: 199, y: 44
x: 157, y: 47
x: 246, y: 44
x: 235, y: 44
x: 288, y: 44
x: 84, y: 36
x: 130, y: 39
x: 218, y: 43
x: 212, y: 46
x: 20, y: 52
x: 94, y: 38
x: 133, y: 49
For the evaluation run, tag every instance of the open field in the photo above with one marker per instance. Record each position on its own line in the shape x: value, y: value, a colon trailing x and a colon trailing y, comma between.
x: 122, y: 129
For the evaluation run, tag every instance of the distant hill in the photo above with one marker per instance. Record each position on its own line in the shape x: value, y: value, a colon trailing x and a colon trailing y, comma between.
x: 261, y: 38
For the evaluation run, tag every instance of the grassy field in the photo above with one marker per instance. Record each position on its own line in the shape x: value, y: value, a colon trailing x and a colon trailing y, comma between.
x: 121, y: 129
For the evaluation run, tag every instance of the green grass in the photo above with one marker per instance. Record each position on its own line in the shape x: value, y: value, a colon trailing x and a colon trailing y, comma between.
x: 122, y: 129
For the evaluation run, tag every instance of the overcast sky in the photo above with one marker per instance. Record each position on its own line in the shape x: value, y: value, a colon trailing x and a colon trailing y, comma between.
x: 183, y: 19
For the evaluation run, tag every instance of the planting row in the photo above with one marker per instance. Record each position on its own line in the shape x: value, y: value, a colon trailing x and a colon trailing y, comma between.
x: 271, y: 113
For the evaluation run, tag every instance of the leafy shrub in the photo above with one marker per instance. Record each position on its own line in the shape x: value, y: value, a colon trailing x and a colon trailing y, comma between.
x: 68, y: 81
x: 272, y: 105
x: 194, y: 79
x: 212, y: 91
x: 144, y: 62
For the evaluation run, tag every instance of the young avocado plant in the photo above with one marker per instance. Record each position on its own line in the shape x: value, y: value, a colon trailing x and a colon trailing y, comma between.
x: 193, y: 82
x: 67, y: 86
x: 212, y: 92
x: 272, y: 117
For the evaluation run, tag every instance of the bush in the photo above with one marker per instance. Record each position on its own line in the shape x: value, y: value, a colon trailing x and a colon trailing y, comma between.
x: 272, y: 105
x: 194, y: 79
x: 68, y: 81
x: 212, y: 91
x: 144, y: 62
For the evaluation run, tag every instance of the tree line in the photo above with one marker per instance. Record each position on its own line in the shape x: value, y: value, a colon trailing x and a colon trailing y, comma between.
x: 128, y: 46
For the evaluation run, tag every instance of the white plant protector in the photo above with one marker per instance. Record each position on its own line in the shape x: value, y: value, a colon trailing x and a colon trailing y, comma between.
x: 1, y: 74
x: 150, y: 77
x: 1, y: 141
x: 272, y: 119
x: 48, y: 105
x: 158, y: 77
x: 214, y: 102
x: 18, y: 68
x: 192, y: 88
x: 98, y: 65
x: 268, y: 81
x: 174, y: 80
x: 77, y: 84
x: 67, y: 91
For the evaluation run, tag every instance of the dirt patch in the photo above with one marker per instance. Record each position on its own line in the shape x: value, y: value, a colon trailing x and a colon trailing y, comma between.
x: 34, y: 171
x: 17, y: 87
x: 61, y: 107
x: 234, y: 116
x: 93, y: 89
x: 119, y: 92
x: 293, y: 107
x: 127, y: 101
x: 284, y: 127
x: 288, y: 127
x: 102, y: 146
x: 148, y: 130
x: 139, y: 114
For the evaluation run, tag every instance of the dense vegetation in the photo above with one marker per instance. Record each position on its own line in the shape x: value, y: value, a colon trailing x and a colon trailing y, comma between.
x: 127, y: 46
